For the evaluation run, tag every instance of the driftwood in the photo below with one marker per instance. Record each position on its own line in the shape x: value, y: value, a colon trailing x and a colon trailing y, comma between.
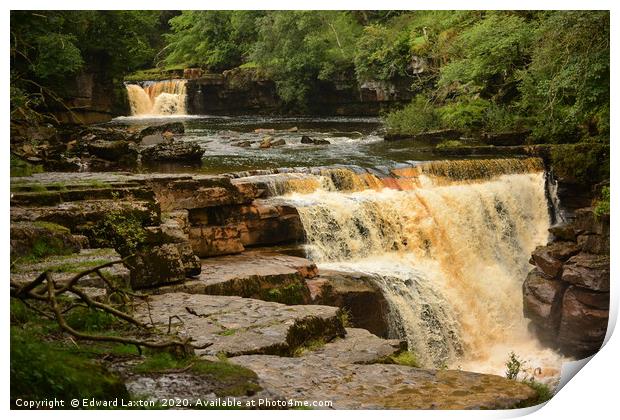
x: 51, y: 291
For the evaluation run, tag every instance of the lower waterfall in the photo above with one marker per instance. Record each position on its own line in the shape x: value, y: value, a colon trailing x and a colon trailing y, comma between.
x: 450, y: 253
x: 166, y: 97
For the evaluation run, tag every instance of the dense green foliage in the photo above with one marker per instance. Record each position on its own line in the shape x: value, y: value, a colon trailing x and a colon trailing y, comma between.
x: 603, y: 205
x: 216, y: 40
x: 542, y: 71
x: 298, y: 48
x: 49, y: 49
x: 42, y: 368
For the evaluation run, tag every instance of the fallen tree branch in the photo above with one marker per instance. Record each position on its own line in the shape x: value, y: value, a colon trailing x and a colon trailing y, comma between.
x: 52, y: 292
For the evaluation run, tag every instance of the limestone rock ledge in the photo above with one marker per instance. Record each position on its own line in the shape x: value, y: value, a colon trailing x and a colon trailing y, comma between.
x: 380, y: 386
x: 236, y: 326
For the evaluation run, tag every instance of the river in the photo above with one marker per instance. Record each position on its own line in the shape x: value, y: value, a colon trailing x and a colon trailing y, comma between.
x: 447, y: 243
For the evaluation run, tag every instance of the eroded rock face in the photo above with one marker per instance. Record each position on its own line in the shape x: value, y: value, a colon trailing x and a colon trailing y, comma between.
x: 542, y: 303
x: 163, y: 264
x: 566, y: 296
x: 582, y: 326
x: 549, y: 258
x: 589, y: 271
x: 363, y: 301
x: 229, y: 229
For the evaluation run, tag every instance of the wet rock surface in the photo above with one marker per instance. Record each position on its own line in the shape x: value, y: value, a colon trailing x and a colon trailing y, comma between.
x: 236, y: 326
x: 377, y: 386
x: 361, y: 298
x: 566, y: 296
x: 172, y: 151
x: 253, y: 274
x: 64, y: 267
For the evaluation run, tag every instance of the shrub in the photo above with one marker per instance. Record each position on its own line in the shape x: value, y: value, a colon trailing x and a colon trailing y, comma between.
x: 420, y: 115
x: 464, y: 115
x: 586, y: 163
x: 602, y: 205
x: 514, y: 366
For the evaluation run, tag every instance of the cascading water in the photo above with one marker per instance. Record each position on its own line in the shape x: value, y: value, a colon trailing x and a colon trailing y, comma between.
x: 166, y: 97
x: 447, y: 242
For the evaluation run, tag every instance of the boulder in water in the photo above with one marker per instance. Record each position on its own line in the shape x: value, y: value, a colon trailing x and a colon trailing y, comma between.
x: 244, y: 143
x: 113, y: 150
x: 310, y: 140
x: 269, y: 142
x: 265, y: 143
x: 172, y: 127
x: 173, y: 151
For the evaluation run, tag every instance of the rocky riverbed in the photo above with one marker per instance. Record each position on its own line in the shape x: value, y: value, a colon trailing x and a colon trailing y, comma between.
x: 211, y: 256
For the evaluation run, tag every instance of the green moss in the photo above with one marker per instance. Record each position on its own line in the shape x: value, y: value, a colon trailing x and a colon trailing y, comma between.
x: 446, y: 144
x: 291, y: 294
x: 227, y: 332
x: 228, y: 379
x: 20, y: 167
x: 42, y: 370
x: 42, y: 247
x: 404, y: 358
x: 310, y: 345
x: 90, y: 319
x: 169, y: 72
x: 76, y: 267
x: 54, y: 227
x: 602, y: 204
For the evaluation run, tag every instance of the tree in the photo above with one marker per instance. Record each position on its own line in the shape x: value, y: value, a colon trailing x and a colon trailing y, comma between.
x: 298, y: 48
x: 214, y: 39
x: 49, y: 48
x: 566, y: 84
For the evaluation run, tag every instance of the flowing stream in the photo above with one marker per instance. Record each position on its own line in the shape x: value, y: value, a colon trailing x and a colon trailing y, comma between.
x: 447, y: 242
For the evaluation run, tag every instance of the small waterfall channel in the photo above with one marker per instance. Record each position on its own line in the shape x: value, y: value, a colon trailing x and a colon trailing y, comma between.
x: 157, y: 98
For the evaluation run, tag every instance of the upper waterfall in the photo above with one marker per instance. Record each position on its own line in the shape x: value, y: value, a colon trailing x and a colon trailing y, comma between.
x: 166, y: 97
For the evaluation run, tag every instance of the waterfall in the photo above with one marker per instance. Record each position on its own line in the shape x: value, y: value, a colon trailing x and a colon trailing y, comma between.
x: 447, y: 242
x: 166, y: 97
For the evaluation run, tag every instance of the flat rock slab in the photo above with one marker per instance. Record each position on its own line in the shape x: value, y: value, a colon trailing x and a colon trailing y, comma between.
x: 246, y: 274
x: 236, y: 326
x: 377, y: 386
x: 64, y: 267
x: 358, y: 346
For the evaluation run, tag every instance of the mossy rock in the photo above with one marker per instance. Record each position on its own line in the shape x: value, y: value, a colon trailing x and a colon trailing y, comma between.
x: 36, y: 240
